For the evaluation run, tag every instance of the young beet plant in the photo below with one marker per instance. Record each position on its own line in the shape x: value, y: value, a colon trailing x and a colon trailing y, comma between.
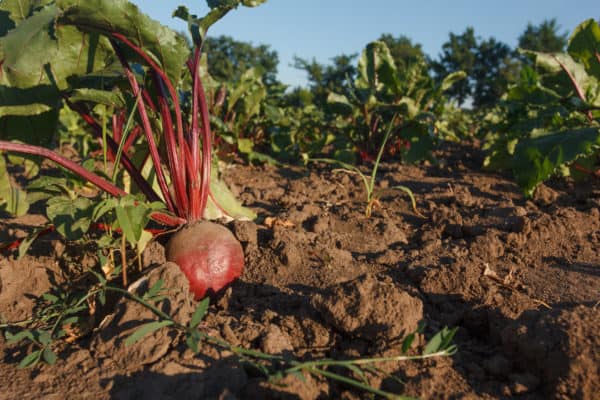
x: 105, y: 52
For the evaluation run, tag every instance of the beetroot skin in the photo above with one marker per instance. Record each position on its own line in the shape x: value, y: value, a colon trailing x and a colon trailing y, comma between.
x: 209, y: 256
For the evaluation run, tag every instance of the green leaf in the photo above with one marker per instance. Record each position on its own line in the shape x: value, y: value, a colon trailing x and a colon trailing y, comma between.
x: 339, y: 103
x: 253, y: 3
x: 420, y: 143
x: 29, y: 101
x: 12, y: 339
x: 154, y: 290
x: 218, y: 9
x: 44, y: 337
x: 132, y: 218
x: 227, y: 202
x: 451, y: 79
x: 145, y: 330
x: 584, y: 46
x: 30, y: 360
x: 30, y: 164
x: 407, y: 342
x: 12, y: 199
x: 17, y: 11
x: 376, y: 68
x: 28, y: 48
x: 71, y: 217
x: 143, y: 241
x: 104, y: 207
x: 106, y: 17
x: 49, y: 356
x: 15, y: 201
x: 346, y: 156
x: 199, y: 313
x: 358, y: 372
x: 440, y: 342
x: 245, y: 146
x: 27, y: 242
x: 192, y: 343
x: 108, y: 98
x: 536, y: 159
x: 33, y: 129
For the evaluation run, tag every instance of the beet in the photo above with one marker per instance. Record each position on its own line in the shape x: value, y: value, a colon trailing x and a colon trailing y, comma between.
x: 209, y: 256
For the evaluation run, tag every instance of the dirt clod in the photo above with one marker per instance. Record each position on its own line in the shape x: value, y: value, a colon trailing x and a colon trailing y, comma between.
x: 370, y: 308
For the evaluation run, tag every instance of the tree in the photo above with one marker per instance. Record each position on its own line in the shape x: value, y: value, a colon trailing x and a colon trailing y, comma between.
x: 229, y: 58
x: 489, y: 64
x: 458, y: 54
x: 404, y: 52
x: 495, y: 66
x: 544, y: 37
x: 323, y: 79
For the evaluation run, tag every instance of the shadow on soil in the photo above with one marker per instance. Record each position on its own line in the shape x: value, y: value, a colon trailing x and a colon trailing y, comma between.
x: 500, y: 356
x: 223, y: 380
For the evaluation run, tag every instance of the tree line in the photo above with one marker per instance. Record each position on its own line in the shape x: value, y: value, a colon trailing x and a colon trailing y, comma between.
x: 489, y: 63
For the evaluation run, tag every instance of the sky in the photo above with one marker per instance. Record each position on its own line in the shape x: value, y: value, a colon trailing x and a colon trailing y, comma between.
x: 322, y: 29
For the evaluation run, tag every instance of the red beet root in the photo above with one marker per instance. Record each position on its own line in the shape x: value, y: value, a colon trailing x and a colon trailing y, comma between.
x: 209, y: 256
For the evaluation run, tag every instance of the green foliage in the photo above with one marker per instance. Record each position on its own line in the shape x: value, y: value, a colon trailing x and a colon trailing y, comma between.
x: 369, y: 182
x: 128, y: 213
x: 12, y: 199
x: 55, y: 313
x: 543, y: 37
x: 228, y: 59
x: 70, y: 217
x: 96, y: 57
x: 549, y: 118
x: 403, y: 50
x: 381, y: 90
x: 324, y: 79
x: 489, y: 65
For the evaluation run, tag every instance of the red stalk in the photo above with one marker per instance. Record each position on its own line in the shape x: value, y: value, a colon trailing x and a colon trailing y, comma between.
x: 162, y: 182
x: 206, y: 149
x: 172, y: 92
x: 113, y: 147
x: 100, y: 182
x: 195, y: 188
x: 149, y: 101
x: 65, y: 162
x: 175, y: 164
x: 135, y: 132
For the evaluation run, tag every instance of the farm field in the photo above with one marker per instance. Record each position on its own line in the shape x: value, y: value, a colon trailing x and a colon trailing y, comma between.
x: 519, y: 278
x: 177, y: 223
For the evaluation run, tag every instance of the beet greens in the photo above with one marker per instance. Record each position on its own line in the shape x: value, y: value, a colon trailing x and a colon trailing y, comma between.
x: 106, y: 52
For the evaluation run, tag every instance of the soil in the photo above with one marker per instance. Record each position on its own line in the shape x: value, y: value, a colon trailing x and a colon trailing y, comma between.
x: 519, y: 278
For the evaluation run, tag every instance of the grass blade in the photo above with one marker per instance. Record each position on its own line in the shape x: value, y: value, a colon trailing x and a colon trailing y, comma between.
x: 146, y: 330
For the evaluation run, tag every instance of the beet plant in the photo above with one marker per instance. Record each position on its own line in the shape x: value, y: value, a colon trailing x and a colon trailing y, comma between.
x: 106, y: 54
x: 382, y: 91
x: 548, y: 123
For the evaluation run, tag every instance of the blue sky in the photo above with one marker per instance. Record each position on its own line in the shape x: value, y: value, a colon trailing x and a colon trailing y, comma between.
x: 325, y: 28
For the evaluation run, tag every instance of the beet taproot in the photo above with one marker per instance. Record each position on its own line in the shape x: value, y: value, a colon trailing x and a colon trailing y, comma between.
x: 208, y: 254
